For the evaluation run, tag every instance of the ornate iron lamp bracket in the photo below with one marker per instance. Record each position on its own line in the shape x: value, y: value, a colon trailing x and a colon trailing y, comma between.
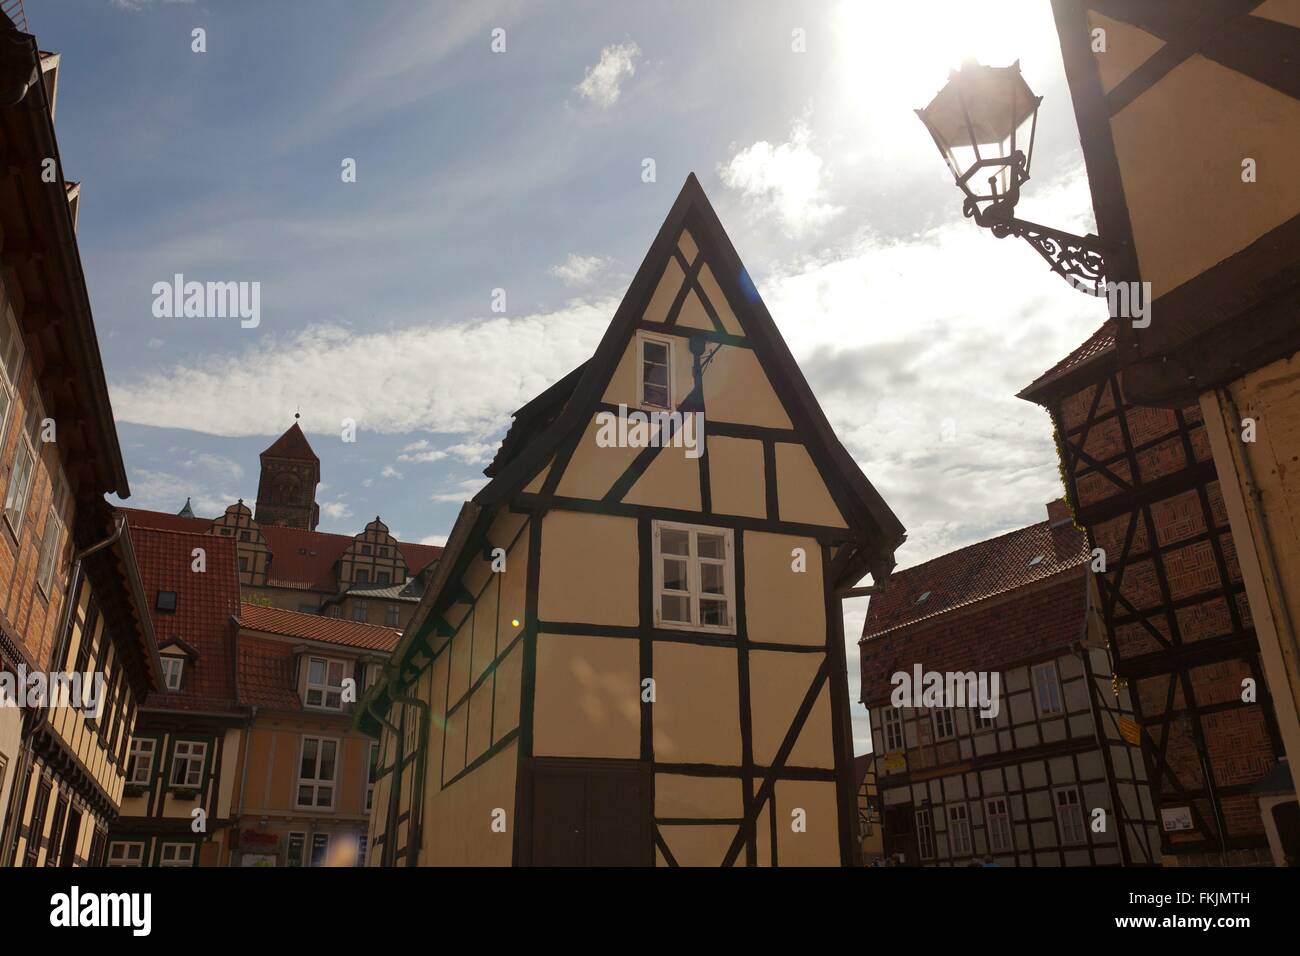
x: 1079, y: 260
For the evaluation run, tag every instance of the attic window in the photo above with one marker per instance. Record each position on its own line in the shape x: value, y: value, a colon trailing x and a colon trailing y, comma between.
x: 166, y: 601
x: 654, y: 372
x: 1036, y: 560
x: 923, y: 598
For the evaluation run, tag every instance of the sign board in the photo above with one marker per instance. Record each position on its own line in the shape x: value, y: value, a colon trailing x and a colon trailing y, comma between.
x: 1176, y: 818
x: 896, y: 760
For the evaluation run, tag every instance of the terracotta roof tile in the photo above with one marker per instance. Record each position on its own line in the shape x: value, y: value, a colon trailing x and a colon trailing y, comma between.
x: 265, y: 674
x: 1099, y: 343
x: 206, y: 604
x: 166, y: 522
x: 975, y: 573
x: 316, y: 627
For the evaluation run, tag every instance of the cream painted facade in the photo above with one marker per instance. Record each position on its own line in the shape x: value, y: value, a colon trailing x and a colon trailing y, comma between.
x: 634, y: 655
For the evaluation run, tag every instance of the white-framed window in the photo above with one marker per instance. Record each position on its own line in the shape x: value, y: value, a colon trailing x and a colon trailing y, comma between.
x: 317, y: 771
x: 22, y: 477
x: 361, y: 611
x: 139, y: 768
x: 325, y: 683
x: 172, y: 666
x: 925, y: 833
x: 959, y: 829
x: 694, y: 577
x: 654, y: 371
x: 121, y: 853
x: 296, y: 846
x: 392, y: 615
x: 979, y: 721
x: 52, y: 535
x: 177, y: 854
x: 891, y: 719
x: 997, y: 820
x: 945, y: 727
x: 187, y: 763
x: 1047, y: 689
x: 1069, y: 814
x: 362, y: 843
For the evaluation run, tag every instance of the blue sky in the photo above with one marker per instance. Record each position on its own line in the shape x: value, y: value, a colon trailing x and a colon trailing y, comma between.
x: 521, y: 170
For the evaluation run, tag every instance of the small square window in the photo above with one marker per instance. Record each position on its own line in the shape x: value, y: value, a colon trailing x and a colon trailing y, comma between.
x: 166, y: 601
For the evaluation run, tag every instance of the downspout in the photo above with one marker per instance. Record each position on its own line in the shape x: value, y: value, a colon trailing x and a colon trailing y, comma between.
x: 64, y: 637
x: 238, y: 810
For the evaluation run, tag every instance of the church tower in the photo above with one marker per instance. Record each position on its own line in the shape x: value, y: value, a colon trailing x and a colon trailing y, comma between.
x: 286, y: 492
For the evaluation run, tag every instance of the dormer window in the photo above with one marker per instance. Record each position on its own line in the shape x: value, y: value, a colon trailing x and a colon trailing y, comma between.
x: 172, y: 668
x: 324, y: 683
x: 166, y: 601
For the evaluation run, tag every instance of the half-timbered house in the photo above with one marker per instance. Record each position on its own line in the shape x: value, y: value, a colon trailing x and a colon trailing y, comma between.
x: 70, y: 598
x: 181, y: 763
x: 632, y: 650
x: 1142, y: 481
x: 1189, y: 120
x: 1047, y: 776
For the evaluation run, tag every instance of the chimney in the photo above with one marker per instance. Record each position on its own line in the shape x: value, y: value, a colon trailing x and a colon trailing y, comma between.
x: 1058, y: 514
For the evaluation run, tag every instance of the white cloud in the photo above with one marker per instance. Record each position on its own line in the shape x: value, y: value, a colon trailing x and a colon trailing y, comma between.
x: 134, y: 5
x: 390, y: 388
x: 785, y: 182
x: 461, y: 491
x: 336, y: 510
x: 437, y: 540
x: 603, y: 82
x: 390, y: 472
x: 579, y: 270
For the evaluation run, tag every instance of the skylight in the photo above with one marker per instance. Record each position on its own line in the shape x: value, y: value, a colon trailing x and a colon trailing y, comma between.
x: 1036, y: 560
x: 923, y: 598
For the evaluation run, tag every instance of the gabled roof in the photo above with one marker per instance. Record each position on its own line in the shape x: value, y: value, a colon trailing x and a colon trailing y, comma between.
x: 292, y: 444
x: 161, y: 520
x: 975, y: 573
x: 314, y: 627
x: 692, y: 210
x: 202, y: 622
x: 542, y: 425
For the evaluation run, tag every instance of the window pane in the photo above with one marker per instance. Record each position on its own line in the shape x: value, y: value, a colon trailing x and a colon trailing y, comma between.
x: 655, y: 395
x: 336, y: 674
x: 316, y: 671
x: 308, y: 759
x: 711, y: 579
x: 656, y: 352
x: 676, y: 608
x: 324, y: 796
x: 674, y: 542
x: 304, y: 796
x: 656, y: 375
x: 711, y: 546
x: 674, y: 574
x: 713, y: 613
x: 326, y: 760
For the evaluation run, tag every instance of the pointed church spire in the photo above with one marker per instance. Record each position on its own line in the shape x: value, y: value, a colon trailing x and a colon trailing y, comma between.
x: 187, y: 511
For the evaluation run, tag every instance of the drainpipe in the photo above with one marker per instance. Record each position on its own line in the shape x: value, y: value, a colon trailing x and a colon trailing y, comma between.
x: 64, y: 636
x: 238, y: 810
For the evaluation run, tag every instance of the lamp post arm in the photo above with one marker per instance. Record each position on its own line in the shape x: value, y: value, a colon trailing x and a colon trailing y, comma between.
x: 1079, y: 260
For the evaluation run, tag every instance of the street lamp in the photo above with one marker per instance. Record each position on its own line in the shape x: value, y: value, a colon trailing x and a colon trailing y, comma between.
x: 983, y: 122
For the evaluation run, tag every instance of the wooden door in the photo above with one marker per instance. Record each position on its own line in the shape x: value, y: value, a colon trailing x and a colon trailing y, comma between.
x: 591, y: 813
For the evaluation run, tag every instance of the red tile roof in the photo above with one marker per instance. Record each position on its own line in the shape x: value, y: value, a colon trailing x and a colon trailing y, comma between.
x: 315, y: 627
x: 206, y: 603
x: 265, y: 674
x: 299, y: 559
x: 1098, y: 344
x: 975, y: 573
x: 292, y: 444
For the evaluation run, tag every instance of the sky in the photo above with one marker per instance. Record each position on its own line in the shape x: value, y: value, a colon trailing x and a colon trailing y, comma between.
x: 519, y: 169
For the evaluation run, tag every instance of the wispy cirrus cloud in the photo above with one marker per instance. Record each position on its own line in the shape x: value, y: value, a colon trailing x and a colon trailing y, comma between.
x: 783, y: 181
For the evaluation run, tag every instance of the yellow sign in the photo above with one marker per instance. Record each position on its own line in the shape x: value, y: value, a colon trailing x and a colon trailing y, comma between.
x: 896, y: 760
